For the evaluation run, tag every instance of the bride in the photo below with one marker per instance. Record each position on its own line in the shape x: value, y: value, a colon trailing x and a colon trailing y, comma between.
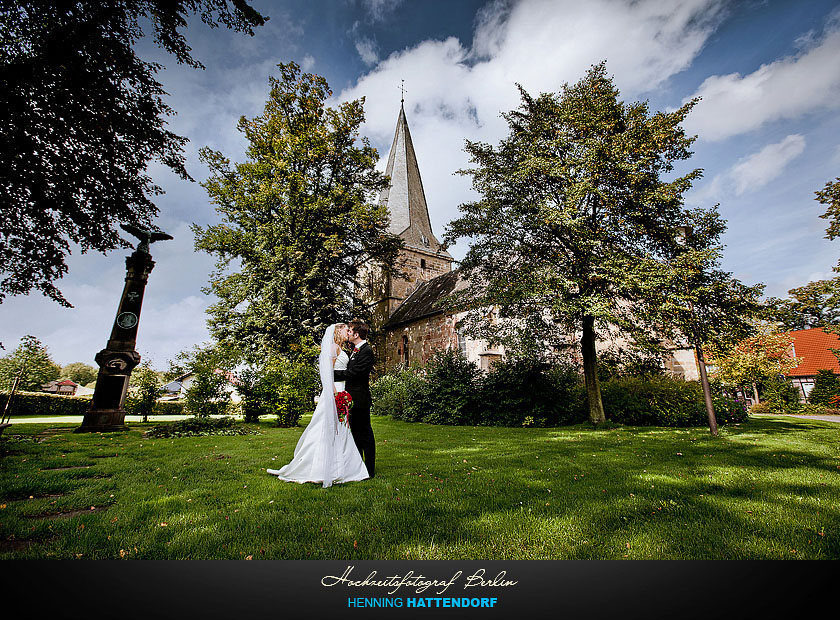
x: 326, y: 451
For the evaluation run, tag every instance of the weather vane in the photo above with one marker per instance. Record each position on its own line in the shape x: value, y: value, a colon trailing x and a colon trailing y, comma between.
x: 402, y: 91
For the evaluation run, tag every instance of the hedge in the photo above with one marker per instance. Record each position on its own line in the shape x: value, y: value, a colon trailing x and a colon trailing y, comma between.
x: 528, y: 393
x: 40, y: 403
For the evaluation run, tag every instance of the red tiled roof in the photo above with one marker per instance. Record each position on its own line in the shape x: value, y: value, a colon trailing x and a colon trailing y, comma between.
x: 812, y: 345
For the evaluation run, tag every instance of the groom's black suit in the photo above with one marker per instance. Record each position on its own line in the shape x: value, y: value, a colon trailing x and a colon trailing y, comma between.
x: 357, y: 383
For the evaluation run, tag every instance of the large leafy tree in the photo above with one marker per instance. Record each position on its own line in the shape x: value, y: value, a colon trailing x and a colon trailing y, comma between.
x: 575, y: 225
x: 81, y: 117
x: 298, y: 218
x: 816, y: 304
x: 31, y: 363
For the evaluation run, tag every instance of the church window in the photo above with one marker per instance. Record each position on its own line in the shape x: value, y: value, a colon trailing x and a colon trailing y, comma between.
x: 405, y: 350
x: 462, y: 340
x: 422, y: 263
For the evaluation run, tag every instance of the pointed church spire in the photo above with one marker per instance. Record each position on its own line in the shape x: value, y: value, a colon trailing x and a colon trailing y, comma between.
x: 405, y: 197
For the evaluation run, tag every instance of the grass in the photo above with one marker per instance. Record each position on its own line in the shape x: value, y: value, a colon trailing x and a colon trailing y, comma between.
x: 765, y: 489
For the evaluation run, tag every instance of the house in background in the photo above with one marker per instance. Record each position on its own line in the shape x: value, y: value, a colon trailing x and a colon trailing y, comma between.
x: 814, y: 347
x: 175, y: 389
x: 65, y: 387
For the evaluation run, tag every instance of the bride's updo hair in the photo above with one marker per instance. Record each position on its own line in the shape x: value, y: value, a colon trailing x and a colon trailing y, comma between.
x: 338, y: 337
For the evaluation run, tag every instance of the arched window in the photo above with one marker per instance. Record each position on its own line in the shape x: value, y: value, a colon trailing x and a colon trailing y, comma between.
x: 405, y: 350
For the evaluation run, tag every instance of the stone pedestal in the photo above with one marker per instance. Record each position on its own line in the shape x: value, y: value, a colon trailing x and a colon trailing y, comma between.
x: 118, y: 358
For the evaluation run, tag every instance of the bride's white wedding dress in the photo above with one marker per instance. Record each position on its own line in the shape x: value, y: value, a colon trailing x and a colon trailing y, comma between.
x: 325, y: 452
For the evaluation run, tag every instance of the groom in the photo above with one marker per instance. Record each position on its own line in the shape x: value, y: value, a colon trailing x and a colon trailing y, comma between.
x: 357, y: 383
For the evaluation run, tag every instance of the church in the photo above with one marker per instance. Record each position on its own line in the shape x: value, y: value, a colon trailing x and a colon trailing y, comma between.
x: 409, y: 326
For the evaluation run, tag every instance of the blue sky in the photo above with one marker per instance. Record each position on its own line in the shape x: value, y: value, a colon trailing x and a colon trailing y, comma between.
x: 768, y: 124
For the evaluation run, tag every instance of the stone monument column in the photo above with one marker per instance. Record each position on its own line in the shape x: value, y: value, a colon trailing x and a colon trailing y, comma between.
x: 118, y: 358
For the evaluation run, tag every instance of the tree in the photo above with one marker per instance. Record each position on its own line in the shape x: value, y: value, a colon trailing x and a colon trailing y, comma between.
x: 79, y: 372
x: 756, y: 360
x: 826, y: 388
x: 82, y: 116
x: 817, y: 304
x: 145, y: 389
x: 298, y: 218
x: 574, y: 225
x: 830, y: 197
x: 31, y: 362
x: 210, y: 370
x: 701, y: 303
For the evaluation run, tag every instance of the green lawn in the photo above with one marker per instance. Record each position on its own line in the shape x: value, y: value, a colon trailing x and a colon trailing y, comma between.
x: 766, y: 489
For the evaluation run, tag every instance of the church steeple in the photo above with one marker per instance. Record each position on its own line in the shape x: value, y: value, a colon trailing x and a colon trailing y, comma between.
x: 405, y: 197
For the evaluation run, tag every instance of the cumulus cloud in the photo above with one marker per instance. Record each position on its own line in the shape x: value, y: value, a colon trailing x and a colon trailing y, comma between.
x: 457, y: 90
x: 788, y: 88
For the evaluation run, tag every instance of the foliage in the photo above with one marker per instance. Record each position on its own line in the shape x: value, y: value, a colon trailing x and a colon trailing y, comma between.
x: 665, y: 401
x: 207, y: 393
x: 826, y: 386
x: 575, y: 225
x: 780, y: 395
x: 632, y: 362
x: 447, y: 393
x: 390, y: 392
x: 280, y: 386
x: 830, y: 197
x: 526, y: 392
x: 79, y: 372
x: 86, y: 116
x: 197, y: 427
x: 146, y: 390
x: 32, y: 362
x: 755, y: 360
x: 41, y: 403
x: 817, y: 304
x: 298, y: 218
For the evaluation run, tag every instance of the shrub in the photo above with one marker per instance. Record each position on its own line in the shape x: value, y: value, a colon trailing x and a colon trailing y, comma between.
x: 447, y: 393
x: 526, y: 392
x: 40, y: 403
x: 826, y: 387
x: 390, y: 392
x: 781, y: 395
x: 196, y: 426
x: 664, y: 401
x: 281, y: 387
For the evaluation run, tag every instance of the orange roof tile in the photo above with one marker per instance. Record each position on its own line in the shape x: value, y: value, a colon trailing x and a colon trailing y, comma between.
x: 812, y: 345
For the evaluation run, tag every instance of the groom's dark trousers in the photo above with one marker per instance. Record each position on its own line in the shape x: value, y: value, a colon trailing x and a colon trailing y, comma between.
x: 357, y: 382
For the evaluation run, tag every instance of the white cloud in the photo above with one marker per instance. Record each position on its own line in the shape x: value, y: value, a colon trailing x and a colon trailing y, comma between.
x: 759, y: 169
x: 788, y: 88
x: 455, y: 92
x: 368, y: 51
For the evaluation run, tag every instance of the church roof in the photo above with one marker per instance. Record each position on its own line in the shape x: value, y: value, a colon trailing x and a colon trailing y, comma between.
x: 405, y: 197
x: 423, y: 301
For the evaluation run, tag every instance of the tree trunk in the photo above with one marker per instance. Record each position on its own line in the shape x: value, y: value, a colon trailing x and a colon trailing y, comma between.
x: 755, y: 392
x: 590, y: 372
x: 707, y: 394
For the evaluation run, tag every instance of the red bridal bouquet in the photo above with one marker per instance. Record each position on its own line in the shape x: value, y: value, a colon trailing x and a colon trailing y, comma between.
x: 343, y: 404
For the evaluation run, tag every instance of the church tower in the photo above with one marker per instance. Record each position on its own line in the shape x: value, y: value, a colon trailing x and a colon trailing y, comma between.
x: 423, y: 257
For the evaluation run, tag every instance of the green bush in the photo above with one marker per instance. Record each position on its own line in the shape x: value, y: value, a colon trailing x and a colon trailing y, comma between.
x: 780, y: 395
x: 826, y: 386
x: 519, y: 392
x: 665, y: 401
x: 282, y: 387
x: 40, y: 403
x: 525, y: 392
x: 198, y: 426
x: 390, y: 392
x: 447, y: 393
